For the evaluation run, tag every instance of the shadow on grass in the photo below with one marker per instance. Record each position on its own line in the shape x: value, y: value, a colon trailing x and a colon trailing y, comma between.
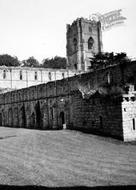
x: 1, y: 138
x: 7, y: 187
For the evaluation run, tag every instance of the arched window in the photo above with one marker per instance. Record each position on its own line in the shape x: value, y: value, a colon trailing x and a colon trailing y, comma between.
x: 21, y: 76
x: 4, y: 74
x: 49, y: 75
x: 35, y: 75
x: 75, y: 44
x: 90, y: 43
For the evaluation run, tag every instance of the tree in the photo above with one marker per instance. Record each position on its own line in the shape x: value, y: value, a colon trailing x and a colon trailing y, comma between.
x: 8, y: 60
x: 30, y: 62
x: 55, y: 63
x: 108, y: 59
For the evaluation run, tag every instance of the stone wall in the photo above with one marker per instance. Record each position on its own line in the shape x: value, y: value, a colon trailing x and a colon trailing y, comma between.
x: 49, y: 106
x: 22, y: 77
x: 129, y: 117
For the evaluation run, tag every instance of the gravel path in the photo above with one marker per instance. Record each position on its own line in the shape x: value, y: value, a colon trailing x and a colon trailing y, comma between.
x: 64, y: 158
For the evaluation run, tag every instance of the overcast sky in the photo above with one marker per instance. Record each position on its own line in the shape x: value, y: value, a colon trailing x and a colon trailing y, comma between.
x: 38, y: 27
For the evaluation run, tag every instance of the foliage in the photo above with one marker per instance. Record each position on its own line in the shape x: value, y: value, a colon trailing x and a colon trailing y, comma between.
x: 108, y: 59
x: 55, y: 63
x: 8, y: 60
x: 30, y: 62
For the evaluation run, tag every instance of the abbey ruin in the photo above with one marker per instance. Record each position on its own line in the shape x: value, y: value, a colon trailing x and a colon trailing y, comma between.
x: 100, y: 101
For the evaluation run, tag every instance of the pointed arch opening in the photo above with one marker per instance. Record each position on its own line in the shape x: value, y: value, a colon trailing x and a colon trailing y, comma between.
x: 62, y: 120
x: 23, y: 117
x: 38, y: 116
x: 90, y: 43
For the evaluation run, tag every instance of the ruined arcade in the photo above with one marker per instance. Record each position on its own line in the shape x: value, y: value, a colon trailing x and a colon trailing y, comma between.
x: 100, y: 101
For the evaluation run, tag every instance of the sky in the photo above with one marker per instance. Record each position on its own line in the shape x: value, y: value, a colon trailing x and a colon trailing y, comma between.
x: 38, y: 27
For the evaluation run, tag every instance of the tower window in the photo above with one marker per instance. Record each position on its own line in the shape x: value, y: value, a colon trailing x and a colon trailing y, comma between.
x: 49, y: 75
x: 75, y: 44
x: 90, y: 43
x: 35, y: 75
x: 4, y: 74
x: 21, y: 76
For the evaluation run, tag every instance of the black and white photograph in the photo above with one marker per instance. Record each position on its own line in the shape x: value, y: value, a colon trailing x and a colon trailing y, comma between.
x: 67, y: 94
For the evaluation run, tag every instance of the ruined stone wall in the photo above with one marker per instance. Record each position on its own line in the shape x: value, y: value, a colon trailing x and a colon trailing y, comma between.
x: 129, y: 117
x: 49, y: 106
x: 100, y: 115
x: 22, y: 77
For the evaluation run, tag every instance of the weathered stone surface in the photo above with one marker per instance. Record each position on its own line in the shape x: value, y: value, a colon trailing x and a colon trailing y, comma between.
x: 22, y: 77
x: 84, y: 39
x: 49, y: 106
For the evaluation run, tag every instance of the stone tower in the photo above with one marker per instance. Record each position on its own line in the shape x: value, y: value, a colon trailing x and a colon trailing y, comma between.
x: 84, y: 39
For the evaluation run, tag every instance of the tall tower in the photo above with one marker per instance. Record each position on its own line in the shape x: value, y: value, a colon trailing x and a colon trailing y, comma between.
x: 84, y: 39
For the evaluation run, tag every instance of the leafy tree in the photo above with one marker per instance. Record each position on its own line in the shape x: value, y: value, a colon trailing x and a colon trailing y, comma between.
x: 55, y: 63
x: 30, y: 62
x: 8, y: 60
x: 108, y: 59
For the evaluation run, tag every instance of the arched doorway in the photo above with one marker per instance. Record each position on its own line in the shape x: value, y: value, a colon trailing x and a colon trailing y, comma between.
x: 15, y: 117
x: 62, y: 120
x: 38, y: 116
x: 10, y: 118
x: 32, y: 121
x: 23, y: 117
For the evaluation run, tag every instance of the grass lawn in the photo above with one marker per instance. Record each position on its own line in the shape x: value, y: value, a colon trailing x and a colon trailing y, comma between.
x: 64, y: 158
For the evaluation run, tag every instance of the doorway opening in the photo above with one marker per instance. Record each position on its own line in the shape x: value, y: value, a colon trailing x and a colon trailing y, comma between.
x: 23, y: 117
x: 62, y: 120
x: 38, y: 116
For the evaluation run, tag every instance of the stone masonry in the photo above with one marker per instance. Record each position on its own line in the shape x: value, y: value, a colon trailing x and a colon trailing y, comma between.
x: 109, y: 109
x: 12, y: 78
x: 84, y: 39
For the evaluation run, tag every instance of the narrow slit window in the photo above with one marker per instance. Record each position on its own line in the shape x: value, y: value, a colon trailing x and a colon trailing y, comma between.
x: 134, y: 127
